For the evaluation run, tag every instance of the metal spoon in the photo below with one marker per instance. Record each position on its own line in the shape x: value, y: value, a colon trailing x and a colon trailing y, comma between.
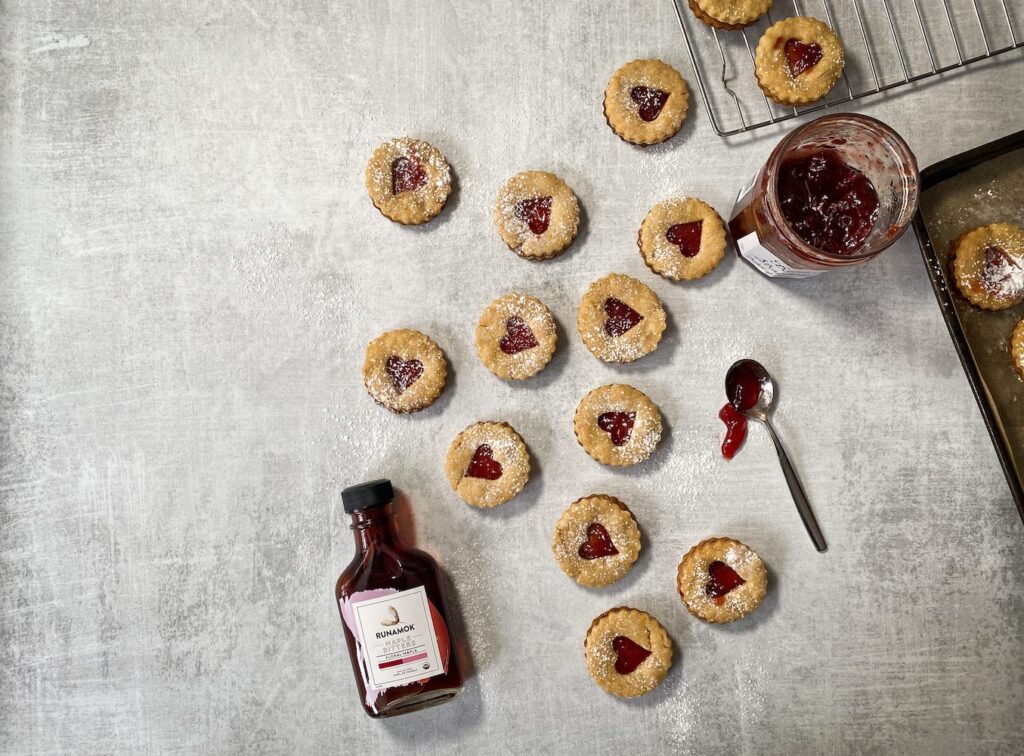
x: 759, y: 411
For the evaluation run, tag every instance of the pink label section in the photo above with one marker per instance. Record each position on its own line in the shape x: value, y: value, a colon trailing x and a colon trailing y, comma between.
x: 396, y: 662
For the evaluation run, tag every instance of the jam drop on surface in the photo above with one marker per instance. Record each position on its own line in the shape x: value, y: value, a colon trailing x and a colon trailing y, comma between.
x: 406, y: 175
x: 628, y: 655
x: 829, y: 204
x: 801, y: 57
x: 535, y: 212
x: 735, y: 430
x: 598, y: 544
x: 620, y: 317
x: 723, y: 579
x: 618, y: 425
x: 484, y: 465
x: 518, y: 336
x: 403, y: 373
x: 650, y: 101
x: 686, y: 236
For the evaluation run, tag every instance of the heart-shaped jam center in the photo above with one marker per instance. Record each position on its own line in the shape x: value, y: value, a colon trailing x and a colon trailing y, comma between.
x: 722, y: 579
x: 518, y: 336
x: 484, y: 465
x: 1000, y: 273
x: 535, y: 212
x: 403, y: 373
x: 407, y: 174
x: 620, y: 317
x: 598, y: 544
x: 649, y: 101
x: 686, y: 236
x: 618, y: 425
x: 628, y: 655
x: 801, y: 56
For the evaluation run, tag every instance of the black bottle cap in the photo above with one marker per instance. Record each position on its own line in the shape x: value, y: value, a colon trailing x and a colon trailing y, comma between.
x: 375, y: 493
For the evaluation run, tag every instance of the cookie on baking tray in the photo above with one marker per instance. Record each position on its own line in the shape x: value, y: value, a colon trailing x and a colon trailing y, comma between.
x: 1017, y: 348
x: 988, y: 265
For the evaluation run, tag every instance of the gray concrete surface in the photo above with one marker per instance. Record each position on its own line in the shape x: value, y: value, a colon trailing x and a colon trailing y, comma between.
x: 190, y: 270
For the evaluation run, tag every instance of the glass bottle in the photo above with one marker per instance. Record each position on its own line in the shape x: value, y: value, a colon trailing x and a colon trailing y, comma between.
x: 393, y: 612
x: 765, y: 239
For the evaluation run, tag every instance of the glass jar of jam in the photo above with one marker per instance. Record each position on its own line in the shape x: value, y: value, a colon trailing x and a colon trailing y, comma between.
x: 393, y: 612
x: 834, y: 192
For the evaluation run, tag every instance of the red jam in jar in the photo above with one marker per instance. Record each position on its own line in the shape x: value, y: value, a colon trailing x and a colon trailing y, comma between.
x: 833, y: 193
x: 829, y: 204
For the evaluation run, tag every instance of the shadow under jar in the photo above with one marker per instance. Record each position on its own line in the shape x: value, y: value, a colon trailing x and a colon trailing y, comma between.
x: 834, y: 192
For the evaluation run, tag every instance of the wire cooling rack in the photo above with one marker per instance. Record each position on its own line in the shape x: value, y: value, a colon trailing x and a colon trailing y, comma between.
x: 889, y: 43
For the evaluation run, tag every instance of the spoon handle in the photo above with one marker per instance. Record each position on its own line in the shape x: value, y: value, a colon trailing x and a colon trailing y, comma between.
x: 803, y: 506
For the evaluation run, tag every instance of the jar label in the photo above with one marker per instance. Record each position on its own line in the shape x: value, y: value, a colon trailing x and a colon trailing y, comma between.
x: 765, y: 260
x: 397, y: 636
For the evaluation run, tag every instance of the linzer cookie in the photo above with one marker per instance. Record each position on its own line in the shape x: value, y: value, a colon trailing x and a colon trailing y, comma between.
x: 596, y: 540
x: 798, y: 60
x: 721, y: 580
x: 404, y: 370
x: 988, y: 266
x: 1017, y: 348
x: 617, y: 425
x: 516, y: 336
x: 645, y: 102
x: 729, y: 14
x: 682, y: 239
x: 620, y: 319
x: 487, y: 464
x: 627, y: 651
x: 537, y: 215
x: 408, y: 180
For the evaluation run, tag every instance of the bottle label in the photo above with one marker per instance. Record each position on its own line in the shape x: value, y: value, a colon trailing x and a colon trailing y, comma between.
x: 764, y: 259
x: 397, y: 636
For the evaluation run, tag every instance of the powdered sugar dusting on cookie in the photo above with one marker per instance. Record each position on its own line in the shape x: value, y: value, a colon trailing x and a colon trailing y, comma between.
x: 494, y: 327
x: 514, y: 224
x: 632, y: 344
x: 1002, y: 274
x: 571, y: 533
x: 642, y: 629
x: 739, y: 601
x: 507, y: 447
x: 426, y: 180
x: 643, y: 438
x: 409, y: 394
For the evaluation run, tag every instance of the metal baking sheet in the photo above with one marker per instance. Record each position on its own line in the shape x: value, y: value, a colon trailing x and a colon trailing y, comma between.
x: 975, y: 188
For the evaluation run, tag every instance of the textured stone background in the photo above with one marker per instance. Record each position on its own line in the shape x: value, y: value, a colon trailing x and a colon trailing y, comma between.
x: 190, y: 270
